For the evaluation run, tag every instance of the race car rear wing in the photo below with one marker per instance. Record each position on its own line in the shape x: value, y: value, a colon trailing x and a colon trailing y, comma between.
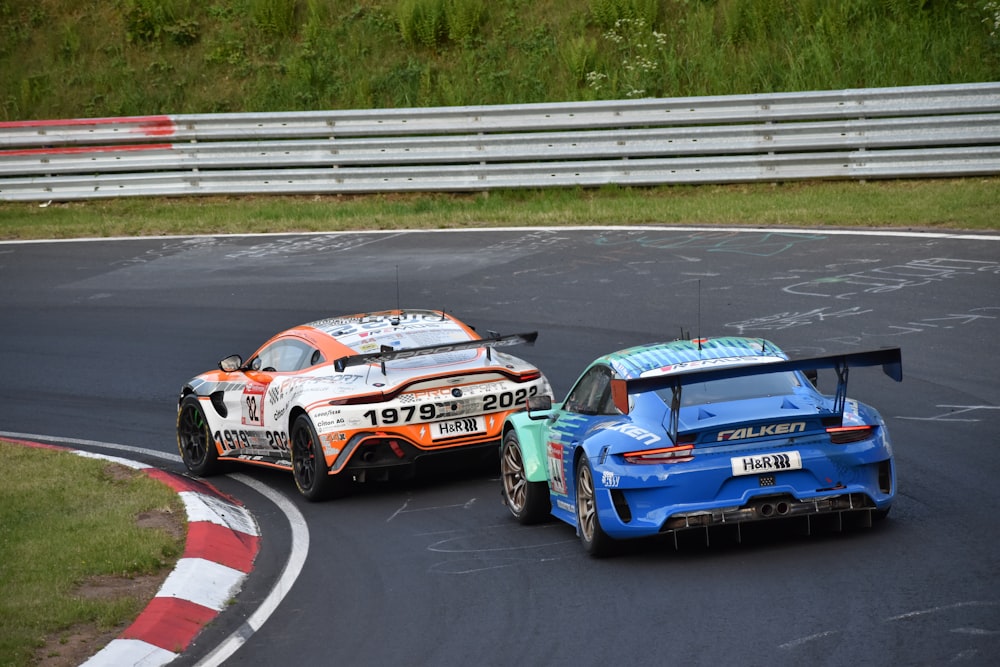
x: 388, y: 353
x: 890, y: 359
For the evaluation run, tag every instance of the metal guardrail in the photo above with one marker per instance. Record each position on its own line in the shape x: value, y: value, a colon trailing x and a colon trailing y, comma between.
x: 911, y: 132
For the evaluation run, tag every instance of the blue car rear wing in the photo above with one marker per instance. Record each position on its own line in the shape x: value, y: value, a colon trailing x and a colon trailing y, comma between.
x: 388, y: 353
x: 889, y: 359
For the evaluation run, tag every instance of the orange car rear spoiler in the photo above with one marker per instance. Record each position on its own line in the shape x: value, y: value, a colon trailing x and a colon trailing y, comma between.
x: 389, y: 353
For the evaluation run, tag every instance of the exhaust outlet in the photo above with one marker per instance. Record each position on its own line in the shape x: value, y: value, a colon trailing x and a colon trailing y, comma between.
x: 782, y: 508
x: 767, y: 509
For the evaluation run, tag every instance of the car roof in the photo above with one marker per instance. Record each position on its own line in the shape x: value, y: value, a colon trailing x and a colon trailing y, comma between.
x: 367, y: 332
x: 678, y: 355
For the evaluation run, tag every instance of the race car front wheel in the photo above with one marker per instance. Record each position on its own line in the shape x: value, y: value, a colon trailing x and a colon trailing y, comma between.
x: 194, y: 439
x: 309, y: 464
x: 595, y: 541
x: 527, y: 501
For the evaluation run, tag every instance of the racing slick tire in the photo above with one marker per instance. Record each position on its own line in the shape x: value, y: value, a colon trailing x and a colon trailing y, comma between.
x: 527, y: 501
x: 309, y: 464
x: 588, y: 526
x: 194, y: 439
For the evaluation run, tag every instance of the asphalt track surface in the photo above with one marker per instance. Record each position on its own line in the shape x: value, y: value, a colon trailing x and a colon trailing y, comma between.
x: 98, y: 336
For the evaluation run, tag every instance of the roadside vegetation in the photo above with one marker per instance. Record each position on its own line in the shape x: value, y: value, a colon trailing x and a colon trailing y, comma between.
x: 70, y: 59
x: 84, y: 546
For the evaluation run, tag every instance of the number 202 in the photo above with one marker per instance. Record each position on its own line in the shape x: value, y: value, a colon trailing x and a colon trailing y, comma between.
x: 508, y: 399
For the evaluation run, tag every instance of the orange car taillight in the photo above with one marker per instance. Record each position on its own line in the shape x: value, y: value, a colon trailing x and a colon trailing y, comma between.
x: 677, y: 454
x: 842, y: 435
x: 360, y: 400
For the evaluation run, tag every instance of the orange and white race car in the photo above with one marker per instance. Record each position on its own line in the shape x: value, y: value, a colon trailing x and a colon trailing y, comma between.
x: 356, y: 398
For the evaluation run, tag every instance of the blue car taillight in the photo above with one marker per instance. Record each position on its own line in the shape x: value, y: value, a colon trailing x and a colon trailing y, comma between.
x: 677, y: 454
x: 842, y: 435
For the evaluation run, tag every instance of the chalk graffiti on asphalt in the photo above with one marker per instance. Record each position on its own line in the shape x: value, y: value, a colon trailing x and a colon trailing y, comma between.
x: 947, y: 321
x: 789, y: 320
x: 306, y: 245
x: 952, y: 411
x: 765, y: 244
x: 915, y: 273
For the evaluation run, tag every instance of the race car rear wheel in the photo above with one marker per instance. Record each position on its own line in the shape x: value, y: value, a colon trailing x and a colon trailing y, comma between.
x: 595, y: 541
x: 527, y: 501
x: 194, y: 439
x: 309, y: 464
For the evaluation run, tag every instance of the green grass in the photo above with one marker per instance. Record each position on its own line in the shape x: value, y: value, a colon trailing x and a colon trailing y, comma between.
x: 966, y: 204
x: 66, y: 59
x: 64, y: 520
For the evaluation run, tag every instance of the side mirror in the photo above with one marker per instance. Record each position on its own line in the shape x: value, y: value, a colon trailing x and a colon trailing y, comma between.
x: 231, y: 363
x: 538, y: 404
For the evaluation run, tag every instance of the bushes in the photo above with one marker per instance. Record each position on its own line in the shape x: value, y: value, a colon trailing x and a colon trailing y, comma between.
x: 149, y: 20
x: 183, y: 56
x: 433, y: 23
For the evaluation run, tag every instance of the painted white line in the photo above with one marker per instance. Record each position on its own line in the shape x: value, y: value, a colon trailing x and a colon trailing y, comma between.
x: 296, y: 560
x: 568, y: 228
x: 128, y: 463
x: 91, y: 443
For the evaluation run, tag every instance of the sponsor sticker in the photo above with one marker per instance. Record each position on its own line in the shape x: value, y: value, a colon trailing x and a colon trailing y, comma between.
x: 766, y: 463
x: 454, y: 428
x: 760, y: 431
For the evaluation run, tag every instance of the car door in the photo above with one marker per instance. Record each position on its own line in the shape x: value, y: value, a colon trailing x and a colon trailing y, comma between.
x: 262, y: 430
x: 588, y: 403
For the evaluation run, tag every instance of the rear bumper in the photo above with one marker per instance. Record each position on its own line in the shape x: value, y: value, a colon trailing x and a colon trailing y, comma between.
x: 627, y: 512
x: 768, y: 507
x: 381, y: 457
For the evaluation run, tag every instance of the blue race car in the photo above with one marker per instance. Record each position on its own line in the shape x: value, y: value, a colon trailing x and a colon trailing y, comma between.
x: 693, y: 434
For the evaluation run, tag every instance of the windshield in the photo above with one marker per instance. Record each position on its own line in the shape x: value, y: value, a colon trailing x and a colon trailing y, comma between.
x: 735, y: 389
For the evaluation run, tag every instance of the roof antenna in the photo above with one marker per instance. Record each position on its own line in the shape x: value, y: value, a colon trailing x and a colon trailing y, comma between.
x: 699, y: 314
x: 397, y: 319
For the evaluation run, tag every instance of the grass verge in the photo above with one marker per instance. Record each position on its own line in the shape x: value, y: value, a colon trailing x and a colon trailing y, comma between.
x: 76, y: 555
x: 66, y: 59
x: 951, y: 204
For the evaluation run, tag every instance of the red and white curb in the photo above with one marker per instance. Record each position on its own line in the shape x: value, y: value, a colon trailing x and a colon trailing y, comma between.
x: 222, y: 542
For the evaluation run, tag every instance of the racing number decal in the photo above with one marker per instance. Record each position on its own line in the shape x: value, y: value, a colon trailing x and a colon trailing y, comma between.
x: 253, y: 404
x: 427, y: 412
x: 430, y: 411
x: 557, y: 481
x: 508, y: 399
x: 253, y: 411
x: 230, y: 440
